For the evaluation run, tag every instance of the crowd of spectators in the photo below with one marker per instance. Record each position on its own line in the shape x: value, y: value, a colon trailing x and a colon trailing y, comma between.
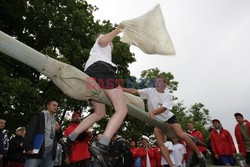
x: 18, y: 150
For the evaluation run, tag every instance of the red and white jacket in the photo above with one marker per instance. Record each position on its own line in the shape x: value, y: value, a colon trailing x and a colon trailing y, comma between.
x: 80, y: 149
x: 222, y: 142
x: 239, y: 138
x: 157, y: 154
x: 143, y: 154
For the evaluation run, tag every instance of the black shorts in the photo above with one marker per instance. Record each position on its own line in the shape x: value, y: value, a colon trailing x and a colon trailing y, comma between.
x: 172, y: 120
x: 104, y: 74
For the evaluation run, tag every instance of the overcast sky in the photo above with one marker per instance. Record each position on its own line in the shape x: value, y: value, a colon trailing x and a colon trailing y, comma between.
x: 212, y: 43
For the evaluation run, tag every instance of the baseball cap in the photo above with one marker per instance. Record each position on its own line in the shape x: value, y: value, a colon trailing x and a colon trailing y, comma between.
x: 75, y: 114
x: 215, y: 120
x: 145, y: 137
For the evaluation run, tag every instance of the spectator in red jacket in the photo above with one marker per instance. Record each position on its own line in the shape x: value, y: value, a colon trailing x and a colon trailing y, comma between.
x: 222, y: 144
x: 79, y: 156
x: 242, y: 134
x: 134, y: 150
x: 195, y: 133
x: 145, y: 151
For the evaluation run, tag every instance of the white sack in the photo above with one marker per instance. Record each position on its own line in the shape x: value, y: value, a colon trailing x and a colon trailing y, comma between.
x: 148, y: 32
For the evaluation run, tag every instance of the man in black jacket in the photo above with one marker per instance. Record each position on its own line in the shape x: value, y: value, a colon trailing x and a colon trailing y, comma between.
x: 120, y: 154
x: 43, y: 125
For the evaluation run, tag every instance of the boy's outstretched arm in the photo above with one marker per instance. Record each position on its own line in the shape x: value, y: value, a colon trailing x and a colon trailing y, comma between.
x: 157, y: 111
x: 131, y: 91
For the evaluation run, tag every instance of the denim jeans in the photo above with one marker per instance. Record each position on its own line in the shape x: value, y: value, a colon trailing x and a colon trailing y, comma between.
x: 45, y: 162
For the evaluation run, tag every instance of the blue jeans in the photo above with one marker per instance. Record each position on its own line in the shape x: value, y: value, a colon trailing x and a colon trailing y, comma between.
x: 45, y: 162
x: 224, y: 159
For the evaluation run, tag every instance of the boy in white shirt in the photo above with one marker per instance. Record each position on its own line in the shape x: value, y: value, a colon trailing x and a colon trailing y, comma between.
x: 160, y: 102
x: 178, y: 152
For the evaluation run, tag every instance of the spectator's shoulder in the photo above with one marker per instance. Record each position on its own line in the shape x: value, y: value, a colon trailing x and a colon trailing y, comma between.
x: 226, y: 131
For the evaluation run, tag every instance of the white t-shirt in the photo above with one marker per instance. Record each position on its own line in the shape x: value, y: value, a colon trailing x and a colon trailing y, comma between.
x: 169, y: 146
x: 178, y: 152
x: 156, y: 100
x: 98, y: 53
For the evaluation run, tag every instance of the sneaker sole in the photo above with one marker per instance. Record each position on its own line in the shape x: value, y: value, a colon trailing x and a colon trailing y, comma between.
x: 65, y: 147
x: 203, y: 162
x: 97, y: 156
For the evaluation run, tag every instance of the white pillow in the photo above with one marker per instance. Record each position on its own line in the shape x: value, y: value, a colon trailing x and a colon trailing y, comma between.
x: 148, y: 32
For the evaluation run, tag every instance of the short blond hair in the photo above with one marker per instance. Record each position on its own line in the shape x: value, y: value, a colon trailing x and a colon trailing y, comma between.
x: 162, y: 77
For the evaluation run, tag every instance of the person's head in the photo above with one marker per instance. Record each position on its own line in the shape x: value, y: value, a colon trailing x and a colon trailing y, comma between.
x: 20, y: 131
x: 132, y: 143
x: 2, y: 123
x: 165, y: 138
x: 190, y: 126
x: 52, y: 106
x: 122, y: 140
x: 239, y: 118
x: 175, y: 140
x: 216, y: 124
x: 145, y: 141
x: 160, y: 82
x: 76, y: 117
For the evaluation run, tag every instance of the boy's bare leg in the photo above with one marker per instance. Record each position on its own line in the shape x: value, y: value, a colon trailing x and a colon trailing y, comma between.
x: 119, y: 103
x: 100, y: 150
x: 179, y: 132
x: 159, y: 135
x: 99, y: 113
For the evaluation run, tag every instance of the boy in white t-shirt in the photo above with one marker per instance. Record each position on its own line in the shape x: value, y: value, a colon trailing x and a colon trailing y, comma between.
x: 178, y: 152
x: 160, y: 102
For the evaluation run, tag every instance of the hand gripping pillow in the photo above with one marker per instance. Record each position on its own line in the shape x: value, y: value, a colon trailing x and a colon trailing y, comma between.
x: 148, y: 32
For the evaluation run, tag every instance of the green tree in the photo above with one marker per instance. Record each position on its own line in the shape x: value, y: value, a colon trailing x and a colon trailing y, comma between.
x: 199, y: 115
x: 180, y: 111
